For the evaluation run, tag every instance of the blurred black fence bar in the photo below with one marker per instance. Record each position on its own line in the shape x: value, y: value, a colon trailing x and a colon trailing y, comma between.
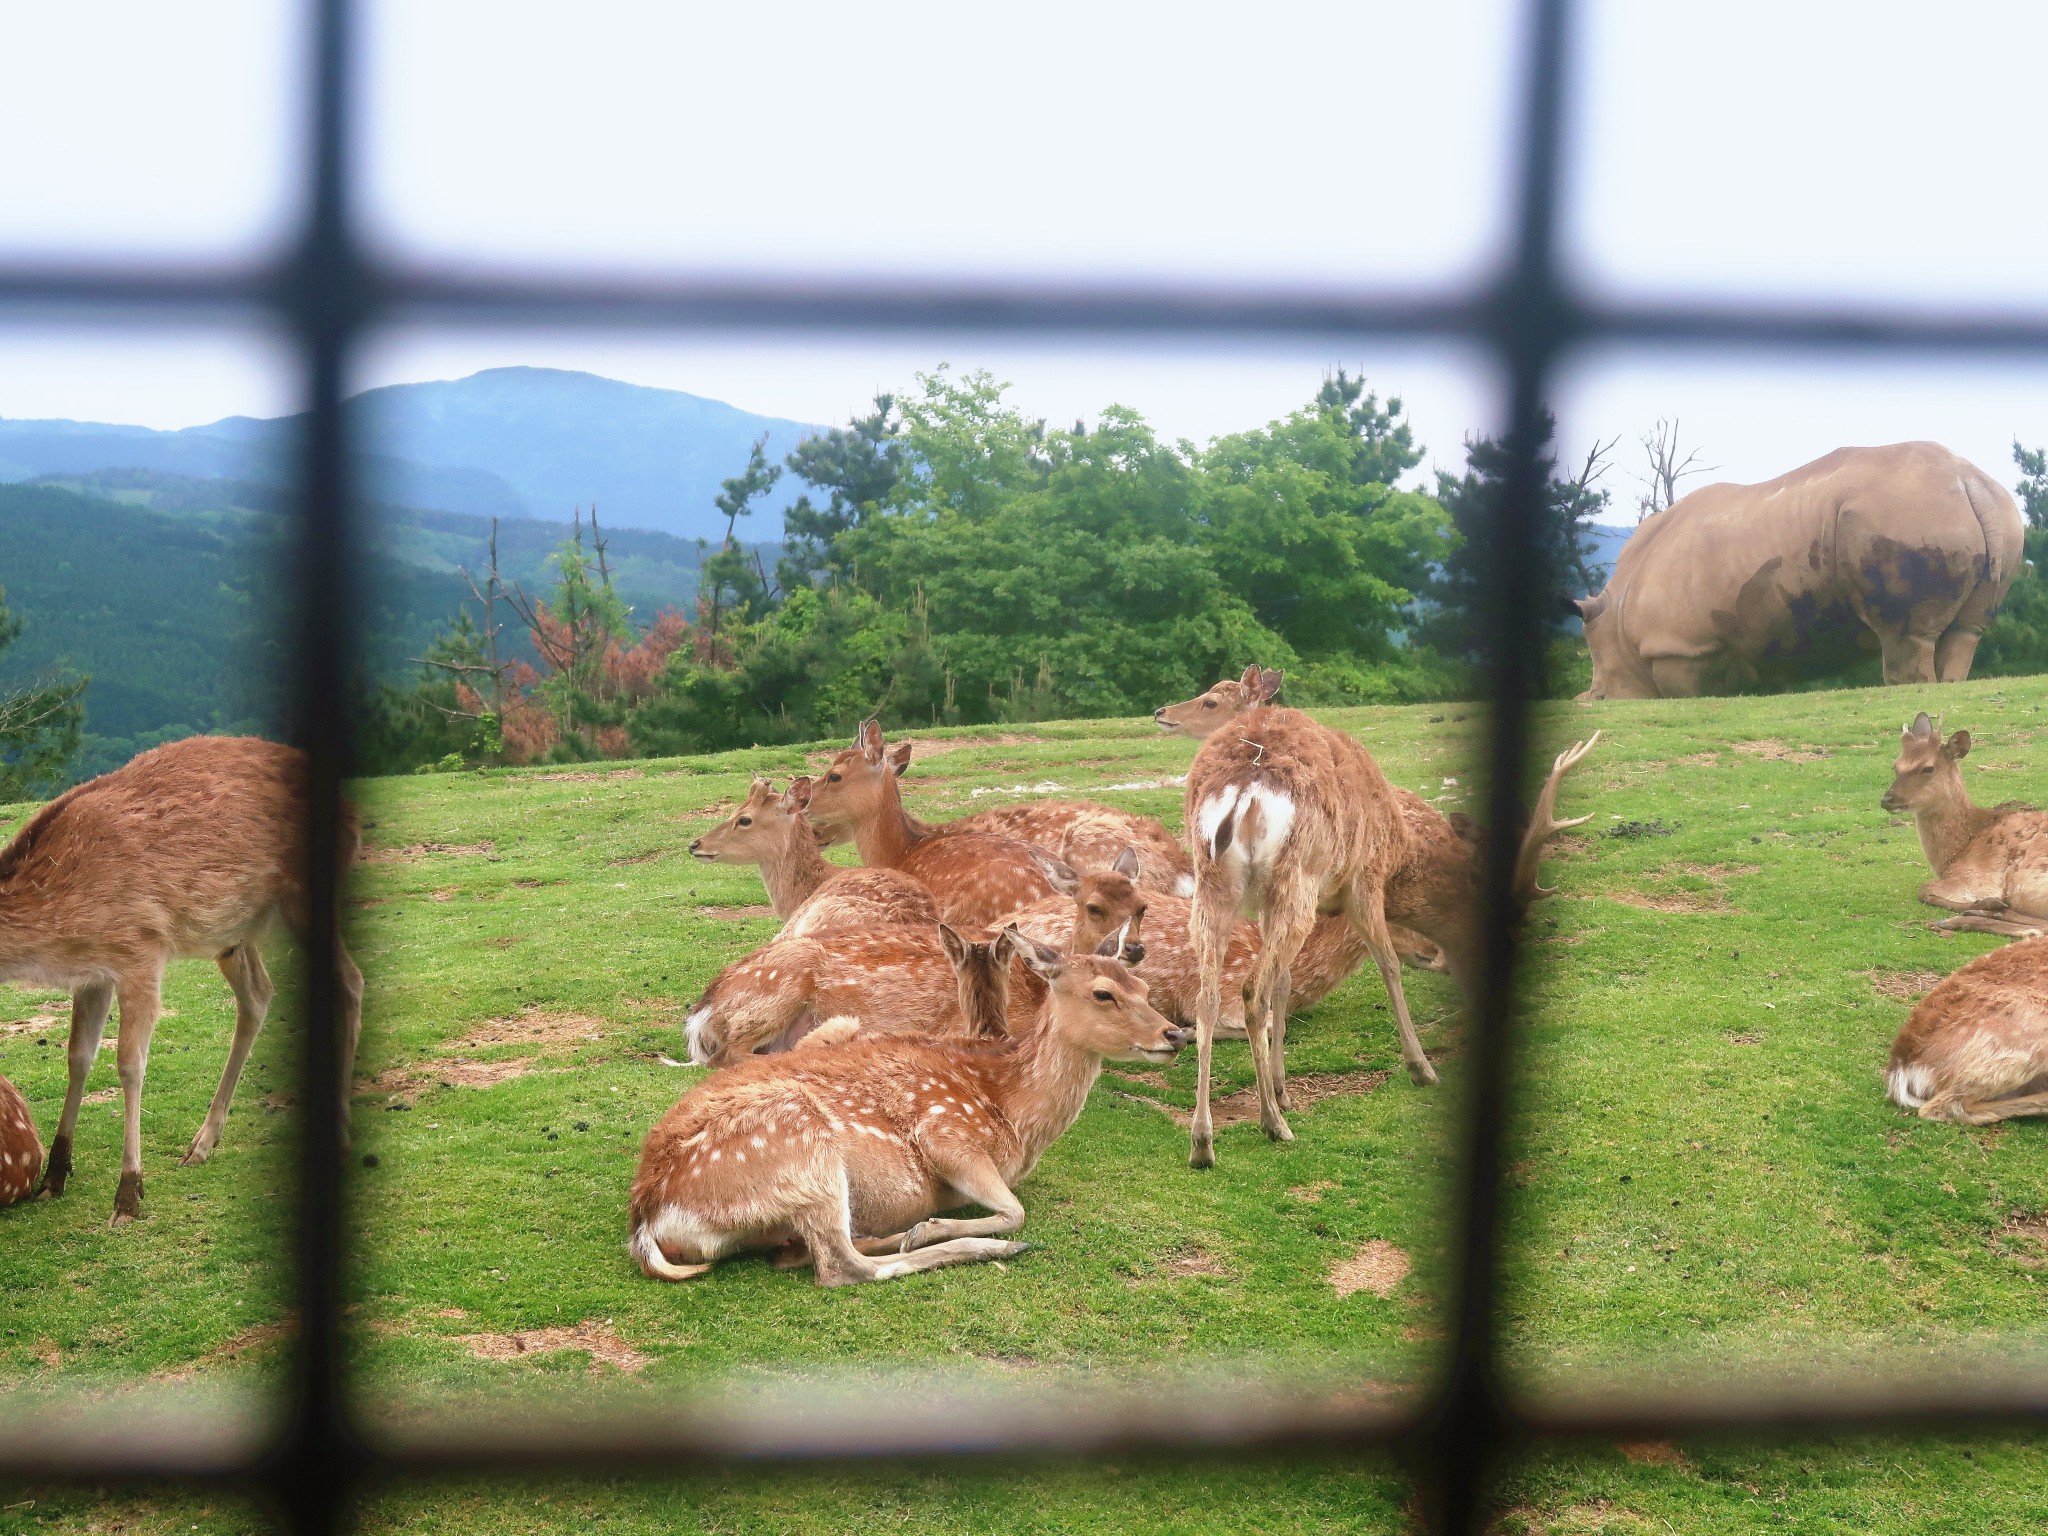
x: 312, y: 1457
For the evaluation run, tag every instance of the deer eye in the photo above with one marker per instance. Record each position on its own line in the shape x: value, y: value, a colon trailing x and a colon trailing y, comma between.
x: 1208, y: 703
x: 1104, y: 997
x: 831, y: 778
x: 744, y: 821
x: 1094, y: 911
x: 1928, y: 769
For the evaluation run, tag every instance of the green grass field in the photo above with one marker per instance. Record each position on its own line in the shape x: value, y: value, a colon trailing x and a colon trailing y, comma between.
x: 1708, y: 1178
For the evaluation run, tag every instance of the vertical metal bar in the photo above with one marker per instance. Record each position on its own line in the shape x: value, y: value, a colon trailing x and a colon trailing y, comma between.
x: 1473, y: 1425
x: 317, y: 1457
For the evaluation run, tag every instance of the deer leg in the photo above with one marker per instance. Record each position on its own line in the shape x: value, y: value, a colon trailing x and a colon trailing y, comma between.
x: 243, y: 967
x: 1368, y: 915
x: 141, y: 1002
x: 825, y: 1232
x: 969, y: 1171
x: 1290, y: 915
x: 348, y: 983
x: 1985, y: 922
x: 1210, y: 920
x: 1954, y: 1107
x: 89, y: 1005
x: 1957, y: 896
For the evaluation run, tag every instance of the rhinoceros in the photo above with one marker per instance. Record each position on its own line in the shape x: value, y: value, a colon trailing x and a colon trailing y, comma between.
x: 1906, y: 549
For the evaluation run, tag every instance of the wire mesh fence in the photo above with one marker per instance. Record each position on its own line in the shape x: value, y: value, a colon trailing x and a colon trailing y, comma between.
x: 1454, y: 1434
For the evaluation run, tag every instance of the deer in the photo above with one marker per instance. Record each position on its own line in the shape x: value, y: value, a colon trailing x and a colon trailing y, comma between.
x: 1084, y: 835
x: 770, y: 829
x: 976, y: 879
x: 1975, y: 1049
x: 21, y: 1149
x: 855, y: 1151
x: 1990, y: 862
x: 193, y: 849
x: 827, y: 987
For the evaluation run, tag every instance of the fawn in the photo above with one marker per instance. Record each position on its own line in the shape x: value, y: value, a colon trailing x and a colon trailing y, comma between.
x: 877, y: 1135
x: 21, y: 1149
x: 1975, y: 1050
x: 192, y: 849
x: 976, y: 879
x: 808, y: 894
x: 1990, y: 862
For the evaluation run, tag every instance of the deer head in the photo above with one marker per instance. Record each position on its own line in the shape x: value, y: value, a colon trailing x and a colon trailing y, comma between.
x: 1106, y: 902
x: 758, y: 830
x: 1926, y: 777
x: 983, y: 970
x: 857, y: 784
x: 1205, y: 712
x: 1094, y: 1004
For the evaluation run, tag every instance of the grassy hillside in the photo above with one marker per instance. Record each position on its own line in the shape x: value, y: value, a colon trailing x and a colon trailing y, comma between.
x: 1706, y: 1172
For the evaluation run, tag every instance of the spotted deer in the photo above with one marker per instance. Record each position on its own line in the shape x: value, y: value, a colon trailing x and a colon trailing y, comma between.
x: 771, y: 829
x: 976, y: 879
x: 1975, y: 1050
x: 21, y: 1149
x: 854, y: 1151
x: 1089, y: 836
x: 1287, y: 819
x: 1990, y: 862
x: 1201, y: 716
x: 192, y: 849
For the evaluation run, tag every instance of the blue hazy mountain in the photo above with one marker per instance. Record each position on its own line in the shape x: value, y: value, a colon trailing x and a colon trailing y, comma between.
x: 508, y: 442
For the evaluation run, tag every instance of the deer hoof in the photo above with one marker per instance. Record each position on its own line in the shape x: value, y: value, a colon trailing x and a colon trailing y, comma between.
x: 916, y: 1237
x: 56, y: 1169
x: 1280, y: 1130
x: 1202, y: 1153
x: 1423, y: 1073
x: 127, y: 1200
x: 200, y: 1150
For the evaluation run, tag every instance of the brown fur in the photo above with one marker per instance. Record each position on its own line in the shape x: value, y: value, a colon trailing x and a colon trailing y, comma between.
x: 976, y: 879
x: 810, y: 895
x: 21, y: 1150
x: 1090, y: 837
x: 1990, y: 862
x: 1207, y: 712
x: 851, y: 1151
x: 192, y: 850
x: 1975, y: 1050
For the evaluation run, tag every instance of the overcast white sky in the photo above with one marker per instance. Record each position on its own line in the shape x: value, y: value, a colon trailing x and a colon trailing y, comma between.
x: 1885, y: 151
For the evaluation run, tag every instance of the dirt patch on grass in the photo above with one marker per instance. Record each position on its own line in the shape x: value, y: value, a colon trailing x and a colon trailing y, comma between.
x: 1697, y: 760
x: 1242, y: 1107
x: 552, y: 1032
x: 1653, y: 1453
x: 2023, y: 1238
x: 1772, y: 750
x: 1677, y: 899
x: 1188, y: 1262
x: 34, y: 1024
x: 246, y: 1342
x: 1574, y: 1520
x: 598, y: 1340
x: 638, y: 858
x: 412, y: 853
x: 533, y: 1025
x: 581, y: 776
x: 1311, y: 1194
x: 736, y: 914
x: 101, y: 1096
x: 1377, y: 1267
x: 1903, y: 986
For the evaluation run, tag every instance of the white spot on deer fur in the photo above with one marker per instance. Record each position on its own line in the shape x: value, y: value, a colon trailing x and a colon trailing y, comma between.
x: 1909, y: 1085
x: 1212, y: 811
x: 758, y: 1143
x: 1268, y: 835
x: 936, y: 1109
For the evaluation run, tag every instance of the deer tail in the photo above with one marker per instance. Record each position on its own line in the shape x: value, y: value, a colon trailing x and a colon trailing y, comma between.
x: 654, y: 1263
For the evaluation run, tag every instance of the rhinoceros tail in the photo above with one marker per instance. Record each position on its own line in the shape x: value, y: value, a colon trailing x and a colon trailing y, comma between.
x: 1998, y: 515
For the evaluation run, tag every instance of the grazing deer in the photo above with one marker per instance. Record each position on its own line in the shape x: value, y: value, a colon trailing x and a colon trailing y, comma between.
x: 21, y: 1149
x: 879, y: 1134
x: 808, y: 894
x: 1990, y: 862
x: 192, y: 849
x: 1975, y: 1050
x: 976, y: 879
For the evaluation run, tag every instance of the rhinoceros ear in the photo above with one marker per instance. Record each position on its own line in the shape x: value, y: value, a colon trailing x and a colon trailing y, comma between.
x: 1589, y: 608
x: 1921, y: 725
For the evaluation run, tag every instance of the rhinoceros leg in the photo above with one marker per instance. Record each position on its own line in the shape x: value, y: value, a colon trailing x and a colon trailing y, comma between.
x: 1907, y: 658
x: 1679, y: 677
x: 1953, y: 654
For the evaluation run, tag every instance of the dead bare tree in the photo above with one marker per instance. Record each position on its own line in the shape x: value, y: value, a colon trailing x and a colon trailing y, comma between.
x: 1667, y: 468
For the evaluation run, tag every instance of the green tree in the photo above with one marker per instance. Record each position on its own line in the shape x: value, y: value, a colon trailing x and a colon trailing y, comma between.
x: 2016, y: 643
x: 40, y: 725
x: 730, y: 580
x: 859, y: 466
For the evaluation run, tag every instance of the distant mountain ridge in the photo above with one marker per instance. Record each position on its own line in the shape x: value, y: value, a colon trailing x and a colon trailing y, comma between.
x: 507, y: 442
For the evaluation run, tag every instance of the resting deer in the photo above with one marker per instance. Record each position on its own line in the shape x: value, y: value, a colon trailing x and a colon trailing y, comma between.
x: 1087, y: 836
x: 808, y: 894
x: 1976, y: 1048
x: 21, y: 1149
x: 976, y: 879
x: 193, y: 849
x: 1990, y: 862
x: 833, y: 1148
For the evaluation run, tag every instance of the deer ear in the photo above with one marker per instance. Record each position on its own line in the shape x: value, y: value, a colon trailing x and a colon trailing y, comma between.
x: 1921, y: 725
x: 956, y: 947
x: 1112, y: 947
x: 1251, y: 677
x: 1958, y: 746
x: 1058, y: 871
x: 797, y: 797
x: 1127, y: 864
x: 899, y: 758
x: 1268, y: 683
x: 870, y: 739
x: 1041, y: 958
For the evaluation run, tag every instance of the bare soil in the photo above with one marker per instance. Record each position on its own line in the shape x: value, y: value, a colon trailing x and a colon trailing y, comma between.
x: 1377, y: 1267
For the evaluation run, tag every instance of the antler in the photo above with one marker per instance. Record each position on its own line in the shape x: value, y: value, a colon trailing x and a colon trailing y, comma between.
x: 1543, y: 823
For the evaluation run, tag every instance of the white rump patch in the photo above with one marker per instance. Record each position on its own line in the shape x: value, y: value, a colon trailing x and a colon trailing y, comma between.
x: 1184, y: 886
x: 1211, y: 813
x: 1909, y: 1086
x: 693, y: 1035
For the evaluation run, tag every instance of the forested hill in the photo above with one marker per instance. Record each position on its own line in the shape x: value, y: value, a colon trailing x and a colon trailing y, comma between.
x: 507, y: 442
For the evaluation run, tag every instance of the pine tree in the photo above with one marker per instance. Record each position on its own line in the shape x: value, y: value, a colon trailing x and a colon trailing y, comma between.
x: 40, y: 725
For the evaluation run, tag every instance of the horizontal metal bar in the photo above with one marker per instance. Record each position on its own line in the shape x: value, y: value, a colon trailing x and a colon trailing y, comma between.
x: 446, y: 296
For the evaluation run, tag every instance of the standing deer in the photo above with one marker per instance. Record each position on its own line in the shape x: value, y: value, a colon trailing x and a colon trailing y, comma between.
x: 809, y: 895
x: 21, y: 1149
x: 193, y: 849
x: 1975, y: 1050
x: 1990, y: 862
x: 1287, y: 818
x: 976, y: 879
x: 833, y: 1148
